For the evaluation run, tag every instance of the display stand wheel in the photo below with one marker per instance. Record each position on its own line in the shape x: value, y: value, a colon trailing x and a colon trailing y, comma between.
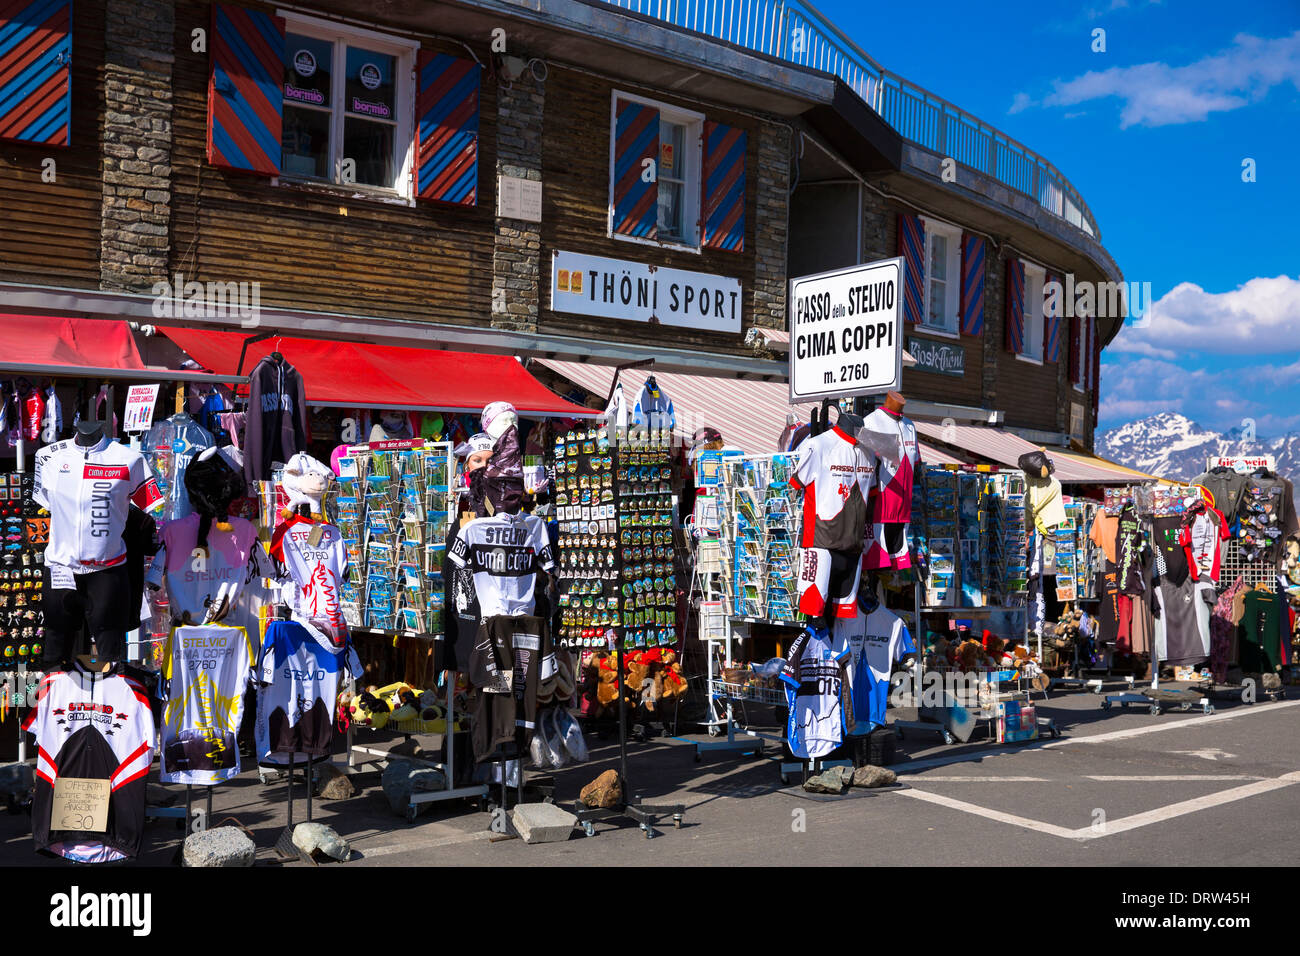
x: 1105, y: 705
x: 677, y: 820
x: 1185, y: 706
x: 649, y: 830
x: 948, y: 738
x: 1207, y: 707
x: 1155, y: 709
x: 410, y: 812
x: 588, y: 828
x: 715, y: 731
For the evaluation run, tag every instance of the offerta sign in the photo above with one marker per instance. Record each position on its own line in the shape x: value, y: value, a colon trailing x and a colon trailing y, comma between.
x: 846, y: 332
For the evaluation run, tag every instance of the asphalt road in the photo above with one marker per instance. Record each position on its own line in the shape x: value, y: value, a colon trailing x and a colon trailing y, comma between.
x: 1118, y: 788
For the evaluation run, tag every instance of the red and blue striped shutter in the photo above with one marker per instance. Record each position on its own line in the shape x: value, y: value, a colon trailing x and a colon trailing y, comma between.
x: 35, y: 71
x: 245, y: 98
x: 1052, y: 330
x: 636, y: 139
x: 1094, y: 354
x: 911, y: 246
x: 1077, y: 360
x: 972, y: 284
x: 1015, y: 337
x: 724, y: 187
x: 446, y: 110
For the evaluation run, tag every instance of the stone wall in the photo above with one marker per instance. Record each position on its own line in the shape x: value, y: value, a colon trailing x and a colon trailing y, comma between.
x: 137, y: 138
x: 517, y: 245
x: 771, y: 227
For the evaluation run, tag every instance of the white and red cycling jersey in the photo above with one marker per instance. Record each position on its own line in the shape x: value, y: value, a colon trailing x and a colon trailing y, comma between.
x: 88, y: 491
x: 835, y: 475
x: 316, y: 569
x: 892, y: 497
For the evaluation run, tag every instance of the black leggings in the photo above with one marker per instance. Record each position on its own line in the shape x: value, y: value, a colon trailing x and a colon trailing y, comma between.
x: 100, y: 604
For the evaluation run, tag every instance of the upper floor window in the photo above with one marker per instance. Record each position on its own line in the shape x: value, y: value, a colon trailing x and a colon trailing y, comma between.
x: 656, y: 165
x: 348, y: 98
x: 942, y: 275
x: 1035, y: 323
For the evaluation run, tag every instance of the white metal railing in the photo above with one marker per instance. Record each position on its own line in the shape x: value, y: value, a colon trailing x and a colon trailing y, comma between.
x: 794, y: 31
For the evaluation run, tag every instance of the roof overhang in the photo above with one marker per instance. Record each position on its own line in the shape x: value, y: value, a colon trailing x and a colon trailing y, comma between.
x: 380, y: 330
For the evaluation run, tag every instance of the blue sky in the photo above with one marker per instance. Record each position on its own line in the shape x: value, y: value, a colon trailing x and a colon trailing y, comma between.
x: 1153, y: 133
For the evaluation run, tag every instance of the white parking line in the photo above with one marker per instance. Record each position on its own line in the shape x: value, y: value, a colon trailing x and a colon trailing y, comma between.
x: 411, y: 845
x: 1175, y: 777
x: 1174, y: 724
x: 1121, y: 825
x: 928, y: 779
x: 998, y: 815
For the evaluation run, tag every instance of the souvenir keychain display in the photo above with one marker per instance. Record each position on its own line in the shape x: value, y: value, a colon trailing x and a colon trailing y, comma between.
x: 26, y: 532
x: 643, y: 481
x: 589, y: 559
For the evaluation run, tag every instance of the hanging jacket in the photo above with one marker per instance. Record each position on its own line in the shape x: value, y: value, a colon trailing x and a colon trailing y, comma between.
x: 170, y: 446
x: 277, y: 418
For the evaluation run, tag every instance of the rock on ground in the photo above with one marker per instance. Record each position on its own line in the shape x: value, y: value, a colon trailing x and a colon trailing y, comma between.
x: 224, y: 846
x: 317, y: 838
x: 872, y: 777
x: 834, y: 780
x: 333, y: 784
x: 402, y: 778
x: 604, y: 792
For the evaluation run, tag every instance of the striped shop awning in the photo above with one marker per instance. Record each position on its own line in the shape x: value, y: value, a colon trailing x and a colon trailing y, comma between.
x: 1005, y: 448
x: 750, y: 415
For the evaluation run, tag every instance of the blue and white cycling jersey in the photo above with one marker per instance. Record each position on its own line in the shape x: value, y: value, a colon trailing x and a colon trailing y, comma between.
x: 814, y: 690
x: 873, y: 642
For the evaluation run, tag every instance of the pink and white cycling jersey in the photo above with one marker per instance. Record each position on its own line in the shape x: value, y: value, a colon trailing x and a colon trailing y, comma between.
x: 316, y: 569
x: 892, y: 499
x: 835, y: 475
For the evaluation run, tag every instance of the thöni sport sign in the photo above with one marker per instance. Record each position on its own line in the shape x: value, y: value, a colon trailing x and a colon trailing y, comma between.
x: 846, y: 332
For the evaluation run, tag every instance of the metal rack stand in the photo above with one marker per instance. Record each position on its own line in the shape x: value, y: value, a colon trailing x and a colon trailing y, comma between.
x: 451, y: 791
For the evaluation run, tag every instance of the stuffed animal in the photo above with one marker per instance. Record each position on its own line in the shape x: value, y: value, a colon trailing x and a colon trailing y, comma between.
x: 305, y: 482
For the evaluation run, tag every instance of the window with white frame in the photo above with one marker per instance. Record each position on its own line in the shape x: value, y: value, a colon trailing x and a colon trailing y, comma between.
x: 1035, y: 277
x: 348, y: 96
x: 942, y: 275
x: 678, y: 171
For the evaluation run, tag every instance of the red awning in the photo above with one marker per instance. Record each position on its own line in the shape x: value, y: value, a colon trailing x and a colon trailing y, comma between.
x: 359, y: 375
x: 55, y: 345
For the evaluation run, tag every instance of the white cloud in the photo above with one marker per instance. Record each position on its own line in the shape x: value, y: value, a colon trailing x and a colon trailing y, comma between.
x: 1261, y: 316
x: 1021, y: 102
x: 1214, y: 398
x: 1157, y: 94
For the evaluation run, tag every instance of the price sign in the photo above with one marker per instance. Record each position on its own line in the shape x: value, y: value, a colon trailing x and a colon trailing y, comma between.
x: 80, y: 803
x: 140, y: 400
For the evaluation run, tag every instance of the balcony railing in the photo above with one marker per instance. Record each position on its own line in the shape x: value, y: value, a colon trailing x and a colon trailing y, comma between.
x: 795, y: 31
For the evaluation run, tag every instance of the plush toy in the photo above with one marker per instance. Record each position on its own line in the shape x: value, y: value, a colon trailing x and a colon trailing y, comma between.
x: 672, y: 680
x: 970, y: 655
x: 305, y: 482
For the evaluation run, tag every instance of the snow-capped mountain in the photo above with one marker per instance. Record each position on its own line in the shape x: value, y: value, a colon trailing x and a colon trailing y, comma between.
x: 1173, y: 446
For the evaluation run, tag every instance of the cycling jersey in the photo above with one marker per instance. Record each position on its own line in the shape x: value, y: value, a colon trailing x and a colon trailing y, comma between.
x: 205, y: 670
x: 505, y: 552
x: 43, y: 455
x: 92, y: 725
x: 298, y: 684
x: 208, y: 586
x: 892, y: 497
x: 813, y: 677
x: 835, y: 475
x: 654, y: 409
x: 316, y: 574
x: 874, y: 642
x: 89, y: 491
x: 1200, y: 537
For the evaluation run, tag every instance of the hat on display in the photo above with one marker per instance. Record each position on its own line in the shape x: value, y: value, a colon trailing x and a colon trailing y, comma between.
x: 497, y: 417
x: 305, y: 482
x: 704, y: 439
x: 1035, y: 464
x: 474, y: 444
